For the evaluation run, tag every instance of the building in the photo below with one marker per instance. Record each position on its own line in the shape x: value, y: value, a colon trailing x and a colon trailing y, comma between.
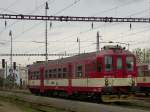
x: 20, y: 74
x: 23, y: 75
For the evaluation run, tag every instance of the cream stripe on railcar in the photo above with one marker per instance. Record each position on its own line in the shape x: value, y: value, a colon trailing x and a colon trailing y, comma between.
x: 100, y: 82
x: 79, y: 82
x: 56, y: 82
x: 34, y: 82
x: 122, y: 81
x: 143, y: 79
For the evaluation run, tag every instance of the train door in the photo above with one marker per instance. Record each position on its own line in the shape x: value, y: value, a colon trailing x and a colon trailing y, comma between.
x: 42, y: 79
x: 119, y: 66
x: 70, y: 73
x: 87, y: 72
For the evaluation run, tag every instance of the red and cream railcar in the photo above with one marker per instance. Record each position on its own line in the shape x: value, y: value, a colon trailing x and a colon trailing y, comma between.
x: 109, y: 75
x: 143, y: 79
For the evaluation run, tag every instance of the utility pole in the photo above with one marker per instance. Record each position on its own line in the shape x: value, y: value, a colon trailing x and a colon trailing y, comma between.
x: 11, y: 70
x: 97, y: 43
x: 46, y: 55
x: 6, y: 68
x: 78, y: 40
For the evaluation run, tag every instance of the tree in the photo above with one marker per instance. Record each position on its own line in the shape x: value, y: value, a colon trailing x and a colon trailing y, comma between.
x: 142, y: 55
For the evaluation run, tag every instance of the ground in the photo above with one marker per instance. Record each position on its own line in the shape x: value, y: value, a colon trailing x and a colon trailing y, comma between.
x: 9, y: 107
x: 16, y: 105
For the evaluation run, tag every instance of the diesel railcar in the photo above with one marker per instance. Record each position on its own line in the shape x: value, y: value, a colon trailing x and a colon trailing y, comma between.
x: 143, y: 79
x: 109, y: 75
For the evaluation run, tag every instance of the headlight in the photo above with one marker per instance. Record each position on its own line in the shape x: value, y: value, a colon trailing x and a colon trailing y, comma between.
x: 133, y: 82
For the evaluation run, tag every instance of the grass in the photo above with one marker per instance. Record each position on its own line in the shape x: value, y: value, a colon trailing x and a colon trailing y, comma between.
x: 29, y: 107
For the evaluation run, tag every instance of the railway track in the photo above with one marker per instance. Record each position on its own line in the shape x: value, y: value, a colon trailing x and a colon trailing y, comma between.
x: 76, y: 106
x: 143, y: 97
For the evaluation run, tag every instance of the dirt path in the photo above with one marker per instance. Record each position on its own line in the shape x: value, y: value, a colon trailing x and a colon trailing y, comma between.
x: 9, y: 107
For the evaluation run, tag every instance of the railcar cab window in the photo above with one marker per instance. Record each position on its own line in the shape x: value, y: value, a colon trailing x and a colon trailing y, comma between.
x: 108, y: 63
x: 79, y: 71
x: 119, y: 63
x: 129, y: 63
x: 54, y: 73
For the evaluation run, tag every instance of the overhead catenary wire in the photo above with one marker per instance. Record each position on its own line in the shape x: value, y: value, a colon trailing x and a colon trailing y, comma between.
x: 32, y: 27
x: 35, y: 10
x: 95, y: 28
x: 55, y: 13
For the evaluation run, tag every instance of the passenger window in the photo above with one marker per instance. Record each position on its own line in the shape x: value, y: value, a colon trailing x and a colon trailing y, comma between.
x: 64, y: 72
x: 108, y: 63
x: 99, y: 67
x: 59, y: 73
x: 79, y: 71
x: 54, y: 73
x: 50, y: 73
x: 119, y: 63
x: 46, y: 74
x: 38, y: 75
x: 130, y: 63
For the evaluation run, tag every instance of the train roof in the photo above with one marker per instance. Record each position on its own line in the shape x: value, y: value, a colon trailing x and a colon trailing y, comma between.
x: 68, y: 59
x: 91, y: 55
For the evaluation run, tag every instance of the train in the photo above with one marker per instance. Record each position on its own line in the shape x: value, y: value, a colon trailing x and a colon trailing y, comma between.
x: 143, y: 78
x: 108, y: 75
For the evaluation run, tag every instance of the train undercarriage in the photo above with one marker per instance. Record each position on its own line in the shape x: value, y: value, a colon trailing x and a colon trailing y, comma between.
x: 118, y: 94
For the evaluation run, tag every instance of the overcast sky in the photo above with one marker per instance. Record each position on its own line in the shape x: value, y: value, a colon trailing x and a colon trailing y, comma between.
x: 63, y: 35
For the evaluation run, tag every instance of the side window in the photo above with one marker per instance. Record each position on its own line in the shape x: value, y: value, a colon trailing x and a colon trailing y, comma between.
x: 87, y: 69
x: 46, y: 74
x: 64, y: 72
x: 59, y: 73
x: 129, y: 63
x: 140, y: 74
x: 108, y: 63
x: 38, y: 75
x: 79, y: 71
x: 119, y: 63
x: 50, y: 73
x: 34, y: 76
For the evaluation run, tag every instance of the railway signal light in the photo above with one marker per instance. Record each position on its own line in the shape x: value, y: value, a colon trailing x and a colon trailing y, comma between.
x: 3, y: 63
x: 14, y: 65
